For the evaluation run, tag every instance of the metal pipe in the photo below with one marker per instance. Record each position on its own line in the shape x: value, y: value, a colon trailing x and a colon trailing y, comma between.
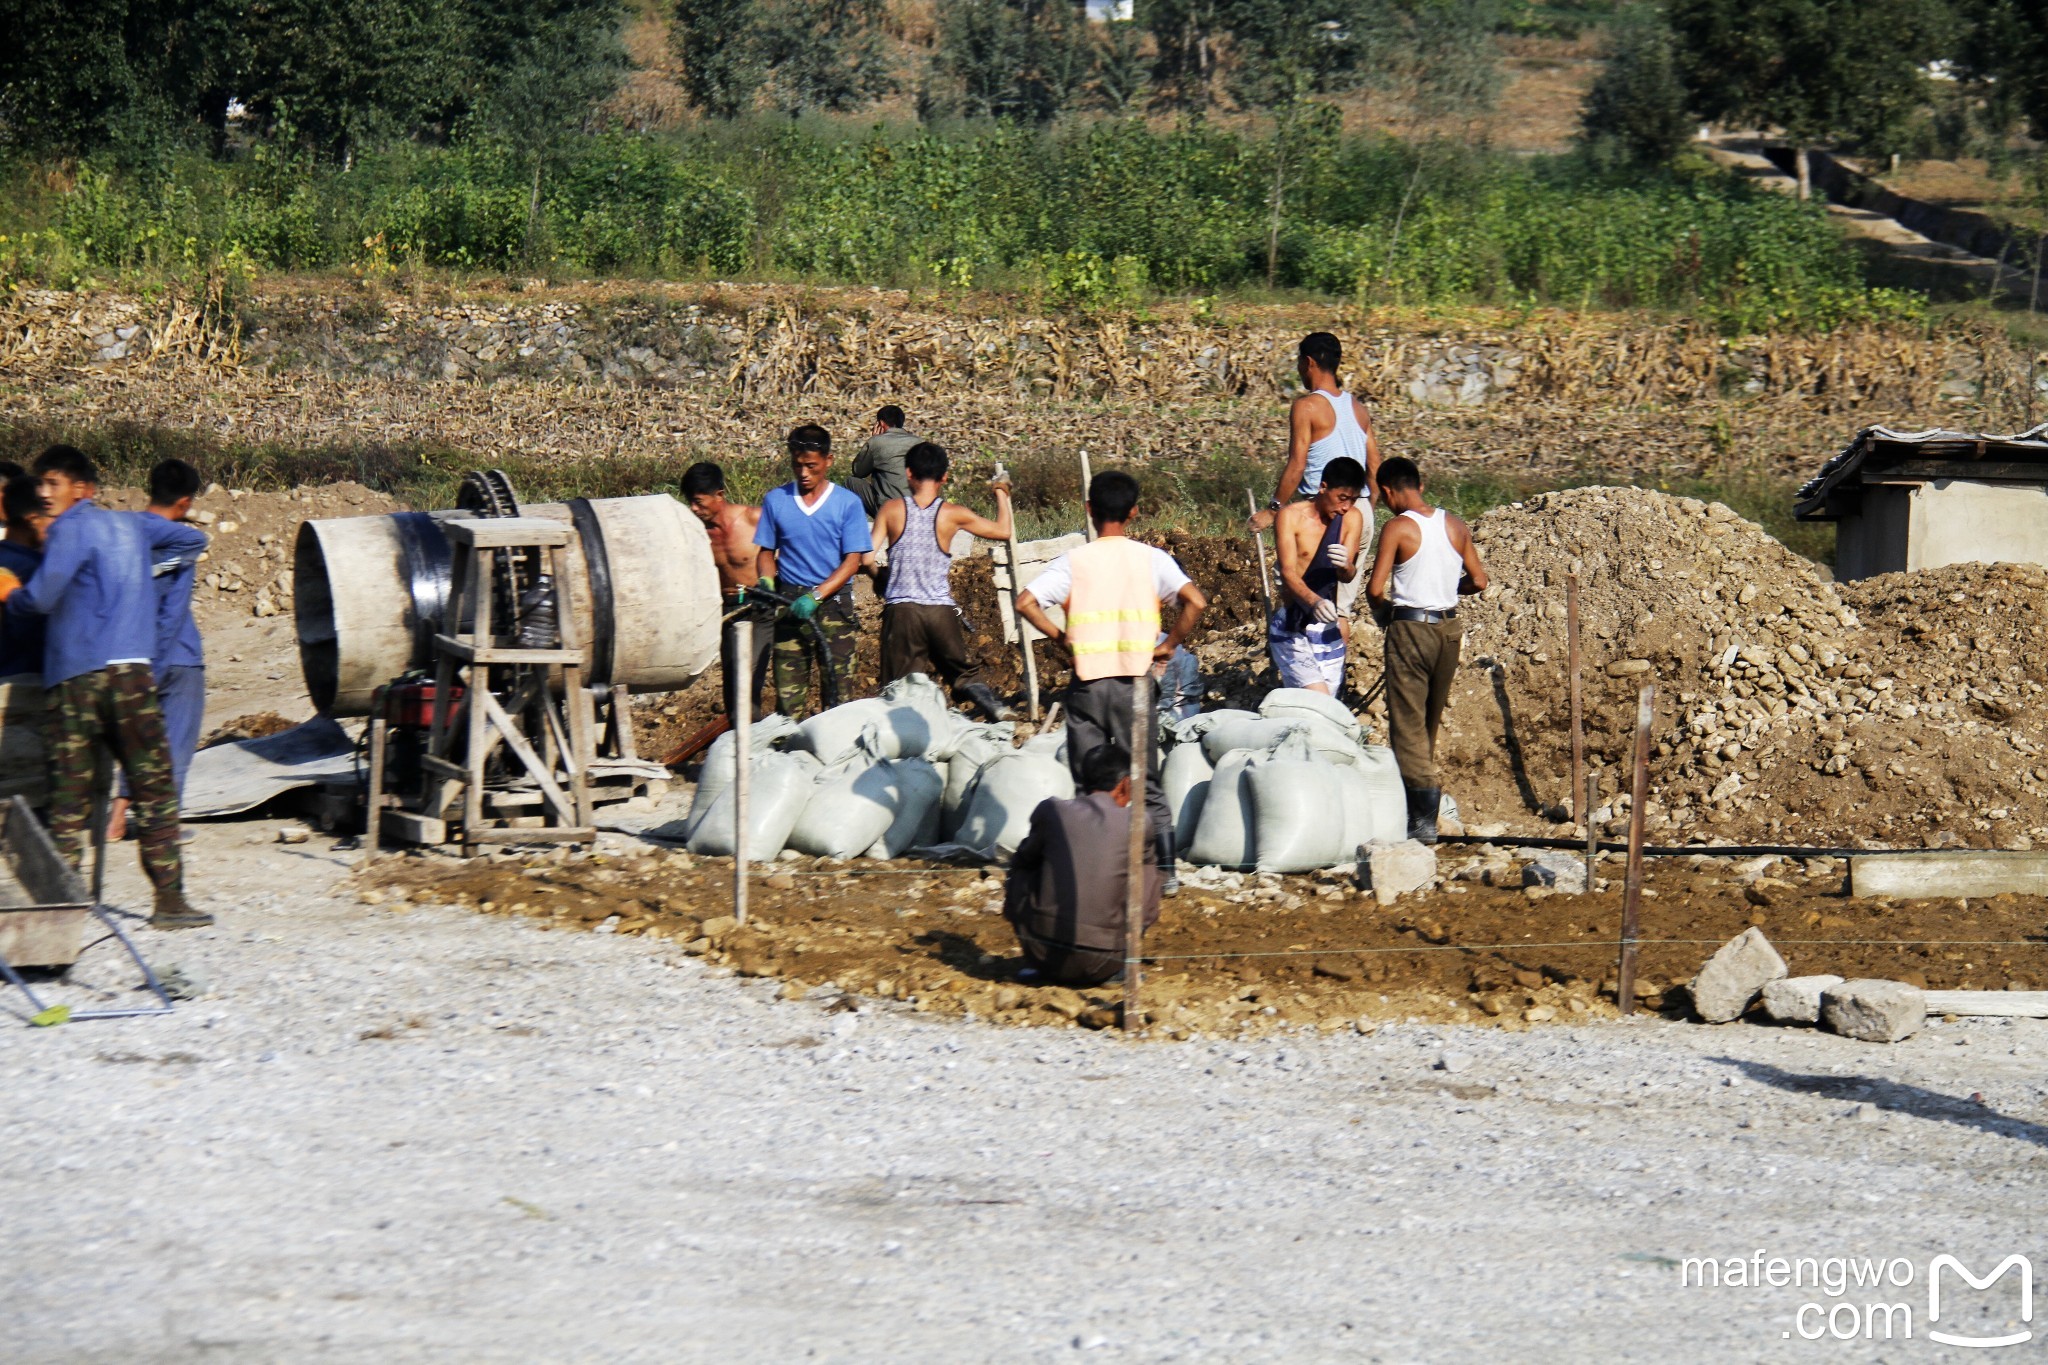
x: 1632, y: 894
x: 1141, y: 839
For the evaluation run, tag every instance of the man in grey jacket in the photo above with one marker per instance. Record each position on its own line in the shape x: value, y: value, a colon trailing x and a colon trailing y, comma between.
x: 878, y: 472
x: 1065, y: 895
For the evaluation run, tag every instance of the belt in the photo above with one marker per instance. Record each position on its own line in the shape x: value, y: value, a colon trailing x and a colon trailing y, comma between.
x: 1424, y: 615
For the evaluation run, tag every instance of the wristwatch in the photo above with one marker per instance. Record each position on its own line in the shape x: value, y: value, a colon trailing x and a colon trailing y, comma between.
x: 1273, y: 504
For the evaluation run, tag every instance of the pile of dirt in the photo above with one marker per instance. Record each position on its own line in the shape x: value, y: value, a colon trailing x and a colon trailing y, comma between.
x: 1250, y: 954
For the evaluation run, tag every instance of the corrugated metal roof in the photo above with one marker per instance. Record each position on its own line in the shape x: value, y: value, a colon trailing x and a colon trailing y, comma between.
x: 1935, y: 441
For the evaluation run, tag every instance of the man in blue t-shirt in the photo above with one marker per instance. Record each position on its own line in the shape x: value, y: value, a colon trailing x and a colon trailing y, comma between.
x: 812, y: 535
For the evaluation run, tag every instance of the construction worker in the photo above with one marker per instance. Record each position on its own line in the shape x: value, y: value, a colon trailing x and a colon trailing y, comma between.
x: 1319, y: 542
x: 922, y: 631
x: 1068, y: 880
x: 94, y: 585
x: 1324, y: 423
x: 878, y: 473
x: 730, y: 526
x: 1111, y: 589
x: 812, y: 536
x: 1426, y: 560
x: 21, y: 554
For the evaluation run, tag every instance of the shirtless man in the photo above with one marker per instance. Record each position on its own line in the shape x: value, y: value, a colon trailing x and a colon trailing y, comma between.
x: 731, y: 528
x: 1319, y: 540
x: 1325, y: 422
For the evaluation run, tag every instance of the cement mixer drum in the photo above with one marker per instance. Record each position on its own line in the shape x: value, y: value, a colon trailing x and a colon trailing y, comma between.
x: 371, y: 593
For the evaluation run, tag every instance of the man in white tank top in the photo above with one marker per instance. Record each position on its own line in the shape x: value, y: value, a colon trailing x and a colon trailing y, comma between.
x: 1426, y: 560
x: 1325, y: 423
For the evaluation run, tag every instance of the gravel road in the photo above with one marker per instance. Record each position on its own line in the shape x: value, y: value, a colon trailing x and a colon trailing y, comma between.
x: 434, y: 1135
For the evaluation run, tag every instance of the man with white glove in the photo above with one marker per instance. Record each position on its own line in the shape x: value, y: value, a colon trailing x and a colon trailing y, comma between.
x: 1318, y: 542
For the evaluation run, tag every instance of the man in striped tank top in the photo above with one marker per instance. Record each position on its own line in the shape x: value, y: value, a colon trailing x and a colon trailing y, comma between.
x: 1425, y: 562
x: 922, y: 631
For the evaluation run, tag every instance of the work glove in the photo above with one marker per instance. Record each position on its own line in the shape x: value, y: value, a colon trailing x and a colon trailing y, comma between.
x: 765, y: 584
x: 1326, y: 611
x: 1339, y: 555
x: 805, y: 607
x: 8, y: 583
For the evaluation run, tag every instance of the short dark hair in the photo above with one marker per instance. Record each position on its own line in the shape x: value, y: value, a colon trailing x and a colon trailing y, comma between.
x: 810, y: 436
x: 69, y: 461
x: 1112, y: 495
x: 1399, y: 472
x: 890, y: 415
x: 702, y: 477
x: 927, y: 460
x: 21, y: 499
x: 1104, y: 767
x: 171, y: 480
x: 1344, y: 472
x: 1324, y: 349
x: 10, y: 470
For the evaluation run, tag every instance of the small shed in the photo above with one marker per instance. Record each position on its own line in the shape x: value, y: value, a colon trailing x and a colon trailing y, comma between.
x: 1920, y: 499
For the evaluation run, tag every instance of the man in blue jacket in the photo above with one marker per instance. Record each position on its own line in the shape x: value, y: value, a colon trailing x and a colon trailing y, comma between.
x: 179, y: 661
x: 94, y: 585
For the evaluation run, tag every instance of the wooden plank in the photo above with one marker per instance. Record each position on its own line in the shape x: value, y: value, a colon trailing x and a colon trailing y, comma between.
x: 546, y: 834
x: 1990, y: 1004
x: 501, y: 533
x: 1946, y: 874
x: 414, y: 828
x: 523, y: 751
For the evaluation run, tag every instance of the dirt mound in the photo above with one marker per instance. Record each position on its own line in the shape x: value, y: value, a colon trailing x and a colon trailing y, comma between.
x: 259, y: 725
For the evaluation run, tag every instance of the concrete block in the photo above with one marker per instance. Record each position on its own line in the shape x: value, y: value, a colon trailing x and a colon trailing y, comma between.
x: 1947, y: 873
x: 1558, y: 870
x: 1796, y: 999
x: 1874, y: 1011
x: 1990, y: 1004
x: 1734, y: 975
x: 1397, y: 869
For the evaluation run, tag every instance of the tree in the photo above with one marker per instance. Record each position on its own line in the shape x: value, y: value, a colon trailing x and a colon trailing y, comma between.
x: 2001, y: 54
x: 1636, y: 108
x: 722, y: 70
x: 334, y: 75
x: 1014, y: 59
x: 1819, y: 70
x: 1186, y: 37
x: 822, y: 54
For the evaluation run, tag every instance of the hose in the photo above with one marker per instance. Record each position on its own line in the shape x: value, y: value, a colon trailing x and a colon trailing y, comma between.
x: 828, y: 682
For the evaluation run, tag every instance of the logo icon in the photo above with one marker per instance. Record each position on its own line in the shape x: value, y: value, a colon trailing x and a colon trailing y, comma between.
x: 2021, y: 1263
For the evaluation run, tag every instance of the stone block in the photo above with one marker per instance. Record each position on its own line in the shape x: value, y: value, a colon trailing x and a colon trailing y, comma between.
x: 1874, y: 1011
x: 1557, y: 869
x: 1734, y: 975
x: 1396, y: 869
x: 1796, y: 999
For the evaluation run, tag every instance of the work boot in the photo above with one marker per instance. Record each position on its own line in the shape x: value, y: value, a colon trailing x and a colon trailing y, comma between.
x: 173, y: 911
x: 985, y: 702
x: 1423, y: 805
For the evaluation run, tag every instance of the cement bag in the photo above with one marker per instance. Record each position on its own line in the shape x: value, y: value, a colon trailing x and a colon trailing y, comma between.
x: 1298, y: 814
x: 1053, y: 744
x: 1225, y: 833
x: 1316, y: 709
x: 1250, y: 733
x: 1376, y: 804
x: 1186, y: 775
x: 1009, y: 788
x: 780, y: 789
x: 1191, y: 729
x: 917, y: 787
x: 855, y: 805
x: 941, y: 722
x: 973, y: 748
x: 717, y: 770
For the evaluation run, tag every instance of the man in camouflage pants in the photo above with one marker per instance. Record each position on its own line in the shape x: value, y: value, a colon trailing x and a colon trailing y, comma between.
x: 812, y: 536
x: 94, y: 585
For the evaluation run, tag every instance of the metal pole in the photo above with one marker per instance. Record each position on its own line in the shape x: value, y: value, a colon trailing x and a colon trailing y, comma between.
x: 1592, y: 834
x: 1571, y: 636
x: 1632, y: 895
x: 1141, y: 836
x: 742, y: 733
x: 1258, y: 538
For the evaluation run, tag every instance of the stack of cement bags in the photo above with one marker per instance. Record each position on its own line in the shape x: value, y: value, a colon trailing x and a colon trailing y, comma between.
x: 1289, y: 788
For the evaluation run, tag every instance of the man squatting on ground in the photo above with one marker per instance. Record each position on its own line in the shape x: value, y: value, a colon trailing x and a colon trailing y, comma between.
x: 1111, y: 589
x: 812, y: 534
x: 1065, y: 893
x: 1427, y: 558
x: 730, y: 526
x: 879, y: 474
x: 1319, y: 543
x: 922, y: 631
x: 179, y: 663
x: 94, y: 585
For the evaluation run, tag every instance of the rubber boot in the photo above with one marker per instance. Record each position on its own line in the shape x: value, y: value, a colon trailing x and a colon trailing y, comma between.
x: 1423, y: 805
x: 1169, y: 865
x: 173, y: 911
x: 985, y: 702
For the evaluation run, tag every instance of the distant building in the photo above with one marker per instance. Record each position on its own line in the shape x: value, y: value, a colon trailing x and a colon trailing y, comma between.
x: 1920, y: 499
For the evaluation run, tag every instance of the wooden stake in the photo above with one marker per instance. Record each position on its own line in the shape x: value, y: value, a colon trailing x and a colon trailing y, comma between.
x: 1632, y: 895
x: 1141, y: 837
x: 1023, y: 627
x: 1571, y: 636
x: 1087, y: 478
x: 373, y: 831
x: 742, y: 734
x: 1592, y: 834
x: 1258, y: 538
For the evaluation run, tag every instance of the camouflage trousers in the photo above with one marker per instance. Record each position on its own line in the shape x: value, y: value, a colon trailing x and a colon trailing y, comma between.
x: 794, y: 649
x: 113, y: 709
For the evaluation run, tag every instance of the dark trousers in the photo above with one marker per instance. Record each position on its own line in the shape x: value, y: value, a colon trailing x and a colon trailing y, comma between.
x: 792, y: 652
x: 115, y: 709
x: 733, y: 669
x: 1098, y: 714
x: 917, y: 638
x: 1422, y: 659
x: 181, y: 694
x: 1065, y: 965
